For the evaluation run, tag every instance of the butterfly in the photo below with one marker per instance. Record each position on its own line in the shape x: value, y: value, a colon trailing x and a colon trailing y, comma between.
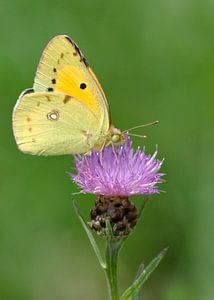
x: 66, y: 111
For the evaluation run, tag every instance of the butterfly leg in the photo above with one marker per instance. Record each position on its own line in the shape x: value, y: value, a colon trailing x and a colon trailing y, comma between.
x: 113, y: 148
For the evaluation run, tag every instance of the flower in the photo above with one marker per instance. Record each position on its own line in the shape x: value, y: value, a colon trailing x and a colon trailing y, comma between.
x: 118, y: 172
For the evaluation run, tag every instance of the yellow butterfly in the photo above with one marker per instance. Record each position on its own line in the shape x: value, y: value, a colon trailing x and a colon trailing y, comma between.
x: 66, y: 111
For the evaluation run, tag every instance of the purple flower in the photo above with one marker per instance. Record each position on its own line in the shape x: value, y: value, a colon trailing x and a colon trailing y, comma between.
x: 120, y: 172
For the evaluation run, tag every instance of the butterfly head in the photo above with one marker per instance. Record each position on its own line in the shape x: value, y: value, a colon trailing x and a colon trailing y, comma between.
x: 117, y: 137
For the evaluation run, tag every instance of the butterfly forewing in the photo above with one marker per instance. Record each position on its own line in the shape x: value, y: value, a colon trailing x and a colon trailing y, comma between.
x: 63, y: 68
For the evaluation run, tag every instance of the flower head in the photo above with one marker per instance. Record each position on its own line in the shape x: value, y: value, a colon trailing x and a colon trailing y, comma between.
x: 120, y: 172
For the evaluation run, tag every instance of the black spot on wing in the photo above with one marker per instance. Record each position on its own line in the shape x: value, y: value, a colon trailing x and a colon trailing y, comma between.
x: 82, y: 85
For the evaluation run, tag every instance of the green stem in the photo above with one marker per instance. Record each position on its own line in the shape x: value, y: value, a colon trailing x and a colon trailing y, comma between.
x: 112, y: 250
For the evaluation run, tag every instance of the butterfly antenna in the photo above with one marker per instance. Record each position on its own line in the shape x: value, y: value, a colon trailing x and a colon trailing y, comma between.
x: 143, y: 125
x: 138, y: 135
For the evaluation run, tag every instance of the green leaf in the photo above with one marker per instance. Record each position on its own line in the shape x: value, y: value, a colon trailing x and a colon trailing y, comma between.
x: 140, y: 270
x: 90, y: 236
x: 138, y: 283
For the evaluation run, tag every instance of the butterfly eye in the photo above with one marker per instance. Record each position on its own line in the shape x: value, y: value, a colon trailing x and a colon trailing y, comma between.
x: 115, y: 138
x: 82, y: 85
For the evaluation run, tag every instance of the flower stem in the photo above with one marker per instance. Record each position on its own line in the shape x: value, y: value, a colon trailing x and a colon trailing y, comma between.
x: 112, y: 250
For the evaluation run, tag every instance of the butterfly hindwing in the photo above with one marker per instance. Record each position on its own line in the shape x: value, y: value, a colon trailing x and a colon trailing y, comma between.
x: 47, y: 123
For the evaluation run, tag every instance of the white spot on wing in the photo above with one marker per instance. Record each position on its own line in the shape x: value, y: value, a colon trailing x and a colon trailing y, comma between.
x: 53, y: 115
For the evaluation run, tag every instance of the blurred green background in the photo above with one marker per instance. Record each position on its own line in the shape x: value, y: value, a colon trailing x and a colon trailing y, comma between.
x: 155, y: 60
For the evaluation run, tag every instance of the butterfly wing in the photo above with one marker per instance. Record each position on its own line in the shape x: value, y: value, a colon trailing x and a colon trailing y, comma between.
x: 63, y: 68
x: 47, y: 123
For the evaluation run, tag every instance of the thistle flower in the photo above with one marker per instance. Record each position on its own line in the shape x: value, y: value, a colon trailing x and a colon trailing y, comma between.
x: 119, y: 172
x: 115, y: 175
